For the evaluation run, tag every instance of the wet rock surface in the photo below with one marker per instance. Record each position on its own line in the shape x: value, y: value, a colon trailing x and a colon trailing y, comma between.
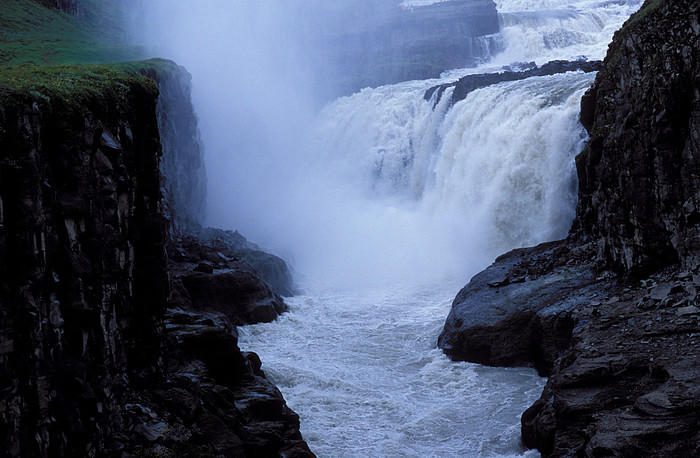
x: 621, y: 354
x: 518, y: 311
x: 210, y: 274
x: 638, y: 176
x: 213, y: 400
x: 83, y: 277
x: 466, y: 84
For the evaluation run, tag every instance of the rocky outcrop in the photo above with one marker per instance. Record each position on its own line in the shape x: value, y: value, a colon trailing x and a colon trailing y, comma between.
x: 466, y: 84
x: 213, y: 399
x: 99, y: 355
x: 638, y: 177
x: 620, y: 353
x: 216, y: 245
x: 518, y: 311
x: 618, y: 336
x: 209, y: 276
x: 628, y: 385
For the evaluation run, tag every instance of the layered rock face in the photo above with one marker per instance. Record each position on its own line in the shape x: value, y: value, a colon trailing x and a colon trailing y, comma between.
x: 99, y: 355
x: 639, y: 176
x: 83, y: 277
x: 618, y: 336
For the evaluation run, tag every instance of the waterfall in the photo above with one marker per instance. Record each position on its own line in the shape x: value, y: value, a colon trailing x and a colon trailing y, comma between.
x: 493, y: 172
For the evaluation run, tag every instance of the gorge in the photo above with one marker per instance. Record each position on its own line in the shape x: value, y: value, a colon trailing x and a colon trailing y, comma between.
x: 121, y: 315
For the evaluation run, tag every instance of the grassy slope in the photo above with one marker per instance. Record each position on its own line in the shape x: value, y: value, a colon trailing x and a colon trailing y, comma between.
x: 61, y: 62
x: 33, y: 34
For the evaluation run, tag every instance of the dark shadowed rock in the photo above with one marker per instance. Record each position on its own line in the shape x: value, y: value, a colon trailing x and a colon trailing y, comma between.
x: 238, y: 293
x: 228, y: 249
x: 518, y: 311
x: 638, y: 176
x: 92, y: 362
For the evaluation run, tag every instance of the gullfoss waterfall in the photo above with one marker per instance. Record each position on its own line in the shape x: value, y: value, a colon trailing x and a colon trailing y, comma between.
x: 385, y: 203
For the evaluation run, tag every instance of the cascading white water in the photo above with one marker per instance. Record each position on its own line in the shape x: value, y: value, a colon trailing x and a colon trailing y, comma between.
x: 386, y: 205
x: 430, y: 192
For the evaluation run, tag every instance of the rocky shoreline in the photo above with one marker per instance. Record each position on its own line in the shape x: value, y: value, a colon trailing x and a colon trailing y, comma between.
x: 620, y: 352
x: 611, y: 314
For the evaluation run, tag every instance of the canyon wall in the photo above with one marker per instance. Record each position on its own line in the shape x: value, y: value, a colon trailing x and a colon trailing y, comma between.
x: 102, y: 350
x: 83, y: 279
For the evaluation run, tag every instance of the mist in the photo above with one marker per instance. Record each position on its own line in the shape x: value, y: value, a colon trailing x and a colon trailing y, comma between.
x: 373, y: 188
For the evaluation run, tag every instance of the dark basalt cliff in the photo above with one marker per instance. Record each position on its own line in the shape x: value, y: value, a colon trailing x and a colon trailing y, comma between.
x: 103, y: 352
x: 639, y: 178
x: 610, y: 314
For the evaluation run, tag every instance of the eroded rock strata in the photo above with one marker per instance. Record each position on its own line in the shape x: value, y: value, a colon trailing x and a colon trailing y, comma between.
x: 99, y: 354
x: 611, y: 313
x: 469, y: 83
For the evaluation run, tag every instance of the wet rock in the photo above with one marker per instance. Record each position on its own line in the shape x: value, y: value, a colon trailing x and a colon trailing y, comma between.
x: 238, y: 293
x: 204, y: 267
x: 470, y: 83
x: 497, y: 321
x: 91, y: 363
x: 83, y: 275
x: 230, y: 250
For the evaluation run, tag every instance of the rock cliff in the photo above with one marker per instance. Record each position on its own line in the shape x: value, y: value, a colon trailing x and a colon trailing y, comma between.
x: 387, y: 44
x: 99, y: 355
x: 610, y: 314
x: 639, y: 176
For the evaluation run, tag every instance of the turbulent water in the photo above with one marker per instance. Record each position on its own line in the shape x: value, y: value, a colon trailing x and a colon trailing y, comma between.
x: 418, y: 192
x: 363, y: 372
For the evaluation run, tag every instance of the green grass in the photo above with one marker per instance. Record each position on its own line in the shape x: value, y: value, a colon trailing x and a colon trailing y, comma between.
x: 34, y: 34
x: 647, y: 8
x: 70, y: 84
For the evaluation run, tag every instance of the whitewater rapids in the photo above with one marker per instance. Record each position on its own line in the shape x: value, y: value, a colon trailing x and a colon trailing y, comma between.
x: 362, y: 371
